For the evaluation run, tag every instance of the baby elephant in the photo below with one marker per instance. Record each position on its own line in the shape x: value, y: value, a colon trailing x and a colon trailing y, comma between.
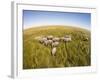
x: 54, y: 51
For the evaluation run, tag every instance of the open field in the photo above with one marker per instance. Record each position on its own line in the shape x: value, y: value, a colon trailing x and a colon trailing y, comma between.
x: 75, y: 53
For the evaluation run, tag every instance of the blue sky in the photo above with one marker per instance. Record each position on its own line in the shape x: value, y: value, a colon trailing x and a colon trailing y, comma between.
x: 32, y: 18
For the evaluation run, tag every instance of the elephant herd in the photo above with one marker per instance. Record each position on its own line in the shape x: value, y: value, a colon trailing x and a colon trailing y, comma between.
x: 53, y: 41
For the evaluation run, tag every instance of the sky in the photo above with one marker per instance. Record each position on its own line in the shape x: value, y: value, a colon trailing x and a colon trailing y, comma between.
x: 33, y: 18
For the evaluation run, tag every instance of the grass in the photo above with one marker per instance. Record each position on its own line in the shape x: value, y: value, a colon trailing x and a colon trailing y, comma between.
x: 70, y: 54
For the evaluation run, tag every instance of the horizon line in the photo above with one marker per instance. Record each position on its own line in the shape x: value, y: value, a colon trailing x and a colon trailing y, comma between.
x: 59, y: 26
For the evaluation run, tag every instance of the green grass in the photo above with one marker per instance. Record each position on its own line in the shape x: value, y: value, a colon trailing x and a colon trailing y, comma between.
x: 70, y: 54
